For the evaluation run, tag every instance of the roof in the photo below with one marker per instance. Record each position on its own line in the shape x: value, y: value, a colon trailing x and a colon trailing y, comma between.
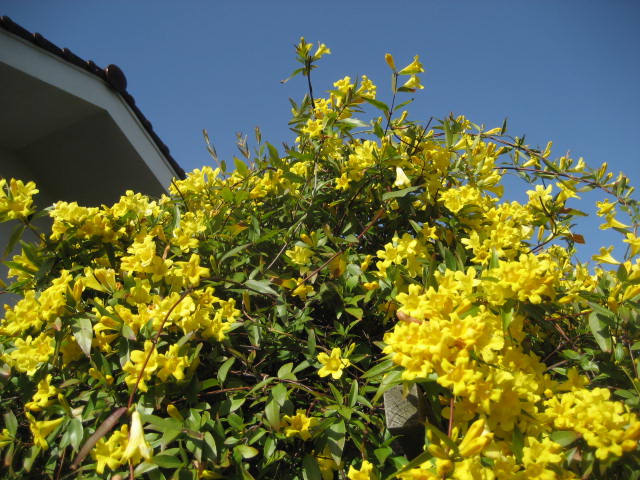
x: 112, y: 75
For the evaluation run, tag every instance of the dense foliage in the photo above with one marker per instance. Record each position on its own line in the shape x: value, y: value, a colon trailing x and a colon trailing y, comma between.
x: 248, y: 324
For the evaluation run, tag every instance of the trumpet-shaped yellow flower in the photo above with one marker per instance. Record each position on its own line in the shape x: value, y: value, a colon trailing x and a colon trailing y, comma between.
x: 43, y: 396
x: 401, y: 179
x: 413, y: 68
x: 137, y: 446
x: 605, y: 256
x: 41, y: 429
x: 634, y: 244
x: 364, y: 473
x: 390, y: 61
x: 605, y: 207
x: 612, y: 222
x: 475, y: 439
x: 322, y: 50
x: 332, y: 364
x: 412, y: 84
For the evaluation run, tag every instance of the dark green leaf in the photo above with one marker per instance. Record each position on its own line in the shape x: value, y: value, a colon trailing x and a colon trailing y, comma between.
x: 399, y: 193
x: 224, y: 369
x: 167, y: 461
x: 310, y: 468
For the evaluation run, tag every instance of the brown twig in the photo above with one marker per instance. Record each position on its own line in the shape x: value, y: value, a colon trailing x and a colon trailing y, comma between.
x: 340, y: 252
x: 154, y: 342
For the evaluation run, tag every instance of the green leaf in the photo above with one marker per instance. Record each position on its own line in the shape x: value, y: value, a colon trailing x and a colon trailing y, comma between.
x: 83, y: 333
x: 234, y: 251
x: 261, y: 286
x: 377, y: 103
x: 10, y: 422
x: 399, y: 193
x: 600, y: 329
x: 279, y: 393
x: 353, y: 393
x: 601, y: 310
x: 310, y: 468
x: 272, y: 414
x: 246, y: 451
x: 335, y: 440
x: 379, y: 368
x: 224, y: 369
x: 211, y: 443
x: 242, y: 168
x: 564, y: 437
x: 31, y: 457
x: 285, y: 370
x: 389, y: 381
x: 76, y: 433
x: 167, y: 461
x: 517, y: 443
x: 16, y: 234
x: 353, y: 122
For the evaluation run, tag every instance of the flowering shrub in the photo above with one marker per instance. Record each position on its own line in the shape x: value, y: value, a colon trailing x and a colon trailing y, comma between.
x: 248, y: 324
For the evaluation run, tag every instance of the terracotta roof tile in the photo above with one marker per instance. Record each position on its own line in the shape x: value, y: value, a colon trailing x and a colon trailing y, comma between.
x: 112, y: 75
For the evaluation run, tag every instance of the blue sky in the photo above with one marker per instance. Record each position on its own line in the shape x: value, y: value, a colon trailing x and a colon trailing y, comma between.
x: 567, y: 71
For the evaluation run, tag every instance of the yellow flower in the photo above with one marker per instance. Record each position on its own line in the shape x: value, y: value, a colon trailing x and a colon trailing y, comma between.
x: 300, y: 255
x: 5, y: 437
x: 605, y: 256
x: 303, y: 290
x: 401, y: 179
x: 137, y: 446
x: 333, y: 364
x: 605, y: 207
x: 365, y: 472
x: 29, y: 353
x: 313, y: 128
x: 322, y: 50
x: 413, y: 68
x: 634, y: 243
x: 174, y: 413
x: 389, y: 59
x: 42, y: 398
x: 303, y: 48
x: 108, y: 453
x: 611, y: 222
x: 475, y: 440
x: 15, y: 199
x: 412, y: 84
x: 41, y: 429
x: 299, y: 425
x: 327, y: 464
x: 191, y: 271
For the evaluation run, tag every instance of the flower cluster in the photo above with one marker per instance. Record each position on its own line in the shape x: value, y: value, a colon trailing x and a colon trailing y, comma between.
x: 250, y: 323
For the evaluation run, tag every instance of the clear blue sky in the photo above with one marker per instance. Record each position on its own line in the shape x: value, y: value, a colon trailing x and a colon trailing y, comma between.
x: 567, y: 71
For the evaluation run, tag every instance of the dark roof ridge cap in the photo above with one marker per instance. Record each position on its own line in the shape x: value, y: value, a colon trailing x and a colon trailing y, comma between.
x: 112, y: 75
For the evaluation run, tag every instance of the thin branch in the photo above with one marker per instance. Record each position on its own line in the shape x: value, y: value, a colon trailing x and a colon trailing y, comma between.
x: 154, y: 343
